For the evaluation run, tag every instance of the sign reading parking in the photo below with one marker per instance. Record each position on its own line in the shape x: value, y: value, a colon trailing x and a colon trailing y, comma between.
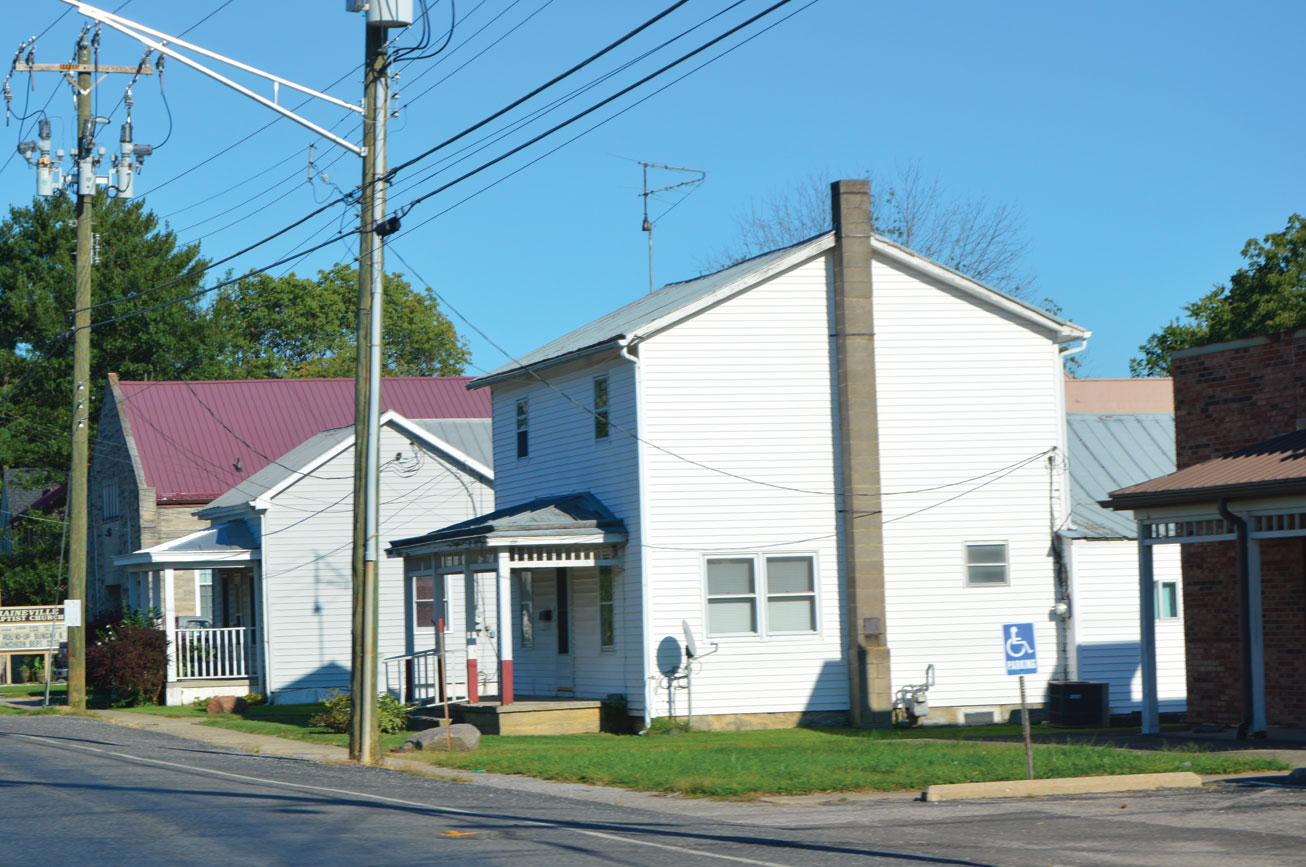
x: 1018, y: 644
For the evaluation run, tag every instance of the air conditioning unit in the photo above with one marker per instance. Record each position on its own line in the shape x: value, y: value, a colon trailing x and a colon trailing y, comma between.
x: 1079, y: 704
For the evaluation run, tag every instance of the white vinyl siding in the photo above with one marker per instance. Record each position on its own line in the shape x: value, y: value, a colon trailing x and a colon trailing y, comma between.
x: 306, y: 547
x: 969, y: 405
x: 1106, y: 622
x: 564, y: 460
x: 738, y: 412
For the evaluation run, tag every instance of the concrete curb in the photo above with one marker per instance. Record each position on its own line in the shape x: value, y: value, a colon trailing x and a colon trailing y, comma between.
x: 1062, y: 786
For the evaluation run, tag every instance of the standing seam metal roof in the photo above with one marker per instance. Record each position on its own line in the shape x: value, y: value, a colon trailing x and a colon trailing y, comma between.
x: 188, y: 455
x: 1107, y: 452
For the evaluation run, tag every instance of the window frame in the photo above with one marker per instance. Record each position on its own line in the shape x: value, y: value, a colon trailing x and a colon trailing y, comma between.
x: 602, y: 418
x: 762, y: 595
x: 1158, y: 584
x: 966, y: 564
x: 439, y: 600
x: 523, y: 427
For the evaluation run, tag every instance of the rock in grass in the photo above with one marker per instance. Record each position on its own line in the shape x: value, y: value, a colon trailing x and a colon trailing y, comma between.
x: 227, y: 704
x: 466, y: 738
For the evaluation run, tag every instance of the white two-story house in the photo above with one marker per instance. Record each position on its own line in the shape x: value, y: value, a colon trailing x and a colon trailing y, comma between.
x: 821, y: 470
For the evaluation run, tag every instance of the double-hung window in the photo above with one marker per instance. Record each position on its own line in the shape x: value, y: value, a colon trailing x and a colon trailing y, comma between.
x: 600, y: 407
x: 986, y: 564
x: 428, y: 601
x: 523, y: 428
x: 761, y: 594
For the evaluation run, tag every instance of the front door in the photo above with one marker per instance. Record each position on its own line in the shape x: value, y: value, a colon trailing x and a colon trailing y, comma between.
x: 563, y: 617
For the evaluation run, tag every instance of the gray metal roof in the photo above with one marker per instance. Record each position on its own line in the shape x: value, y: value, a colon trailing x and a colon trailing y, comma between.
x: 567, y: 515
x: 649, y: 308
x: 646, y: 309
x: 472, y: 436
x: 1109, y: 452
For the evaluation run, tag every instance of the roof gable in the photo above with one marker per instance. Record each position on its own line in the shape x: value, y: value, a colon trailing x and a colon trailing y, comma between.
x: 675, y: 302
x: 471, y: 440
x: 197, y: 440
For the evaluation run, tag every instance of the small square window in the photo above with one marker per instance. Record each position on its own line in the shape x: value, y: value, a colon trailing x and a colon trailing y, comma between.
x: 1167, y: 600
x: 523, y: 428
x: 600, y: 407
x: 986, y: 563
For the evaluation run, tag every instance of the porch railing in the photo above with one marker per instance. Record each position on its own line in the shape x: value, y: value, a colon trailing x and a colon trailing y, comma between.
x: 416, y: 678
x: 214, y: 653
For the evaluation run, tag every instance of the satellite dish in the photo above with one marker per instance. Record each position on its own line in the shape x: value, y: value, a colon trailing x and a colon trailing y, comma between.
x: 691, y: 646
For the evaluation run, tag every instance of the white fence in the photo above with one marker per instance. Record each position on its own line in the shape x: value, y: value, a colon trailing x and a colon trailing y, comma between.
x: 213, y: 653
x: 415, y: 678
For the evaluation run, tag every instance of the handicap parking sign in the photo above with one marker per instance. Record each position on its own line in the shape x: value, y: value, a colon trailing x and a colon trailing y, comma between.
x: 1018, y: 645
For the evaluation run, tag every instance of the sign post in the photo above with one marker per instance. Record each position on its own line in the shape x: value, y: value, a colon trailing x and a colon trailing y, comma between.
x: 1018, y: 646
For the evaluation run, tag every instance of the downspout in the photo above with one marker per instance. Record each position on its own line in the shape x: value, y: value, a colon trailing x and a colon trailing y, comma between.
x: 1244, y: 617
x: 646, y: 626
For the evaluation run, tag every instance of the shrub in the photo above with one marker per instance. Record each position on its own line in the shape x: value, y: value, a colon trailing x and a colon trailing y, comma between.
x: 128, y: 662
x: 255, y: 698
x: 391, y: 713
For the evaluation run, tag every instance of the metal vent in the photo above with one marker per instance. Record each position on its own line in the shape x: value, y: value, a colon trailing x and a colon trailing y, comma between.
x: 979, y: 717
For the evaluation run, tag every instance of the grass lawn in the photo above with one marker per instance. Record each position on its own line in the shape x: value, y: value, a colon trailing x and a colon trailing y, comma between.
x: 747, y: 764
x: 804, y: 761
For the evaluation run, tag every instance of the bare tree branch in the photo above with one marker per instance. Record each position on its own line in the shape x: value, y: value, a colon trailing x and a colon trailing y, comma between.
x: 983, y: 240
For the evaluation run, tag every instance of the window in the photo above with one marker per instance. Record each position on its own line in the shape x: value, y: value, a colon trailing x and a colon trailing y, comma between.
x: 785, y: 603
x: 526, y: 607
x: 1167, y: 600
x: 428, y: 602
x: 523, y: 428
x: 109, y: 496
x: 986, y: 563
x: 607, y: 612
x: 204, y: 586
x: 600, y: 407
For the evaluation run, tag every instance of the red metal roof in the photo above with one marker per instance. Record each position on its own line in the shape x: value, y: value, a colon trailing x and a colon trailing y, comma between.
x: 198, y: 439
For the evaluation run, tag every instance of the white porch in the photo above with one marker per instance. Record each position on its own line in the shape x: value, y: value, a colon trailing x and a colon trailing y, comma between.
x: 550, y: 540
x: 205, y: 590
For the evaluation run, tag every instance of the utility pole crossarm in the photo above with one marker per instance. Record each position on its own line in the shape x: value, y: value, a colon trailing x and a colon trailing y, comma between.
x: 130, y: 28
x: 143, y: 69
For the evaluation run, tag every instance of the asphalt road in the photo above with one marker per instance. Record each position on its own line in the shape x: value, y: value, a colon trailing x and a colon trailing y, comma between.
x: 74, y: 789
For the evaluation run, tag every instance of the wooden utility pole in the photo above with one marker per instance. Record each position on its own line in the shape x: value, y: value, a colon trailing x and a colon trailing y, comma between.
x: 363, y: 742
x: 77, y: 482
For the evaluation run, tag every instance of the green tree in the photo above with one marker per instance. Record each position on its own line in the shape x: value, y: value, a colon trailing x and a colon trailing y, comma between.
x: 1266, y: 296
x: 37, y: 263
x: 29, y: 569
x: 290, y: 327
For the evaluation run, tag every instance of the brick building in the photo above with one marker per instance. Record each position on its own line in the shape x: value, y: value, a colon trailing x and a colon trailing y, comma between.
x: 1237, y: 505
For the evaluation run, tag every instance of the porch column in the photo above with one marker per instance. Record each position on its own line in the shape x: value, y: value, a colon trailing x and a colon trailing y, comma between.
x: 1256, y: 634
x: 1151, y: 715
x: 469, y: 625
x: 503, y: 602
x: 170, y: 621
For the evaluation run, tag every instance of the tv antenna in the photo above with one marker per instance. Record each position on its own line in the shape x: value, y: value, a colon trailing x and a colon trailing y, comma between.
x: 648, y: 224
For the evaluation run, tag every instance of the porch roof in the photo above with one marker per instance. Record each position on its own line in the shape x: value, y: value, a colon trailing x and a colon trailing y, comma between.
x: 1273, y: 468
x: 579, y: 519
x: 230, y: 543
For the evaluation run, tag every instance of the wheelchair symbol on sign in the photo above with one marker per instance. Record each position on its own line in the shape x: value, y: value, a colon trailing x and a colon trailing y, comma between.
x: 1017, y: 646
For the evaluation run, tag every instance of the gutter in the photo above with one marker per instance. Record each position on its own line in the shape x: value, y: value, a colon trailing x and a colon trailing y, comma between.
x: 646, y: 614
x: 1244, y: 616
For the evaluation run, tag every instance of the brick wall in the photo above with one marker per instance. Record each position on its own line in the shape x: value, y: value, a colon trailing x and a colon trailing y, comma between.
x: 1226, y: 397
x: 1238, y: 393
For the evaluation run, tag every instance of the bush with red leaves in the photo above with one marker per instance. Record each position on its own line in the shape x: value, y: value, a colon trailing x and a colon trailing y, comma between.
x: 129, y: 662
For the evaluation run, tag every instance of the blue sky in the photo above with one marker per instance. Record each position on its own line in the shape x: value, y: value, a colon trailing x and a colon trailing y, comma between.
x: 1142, y: 143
